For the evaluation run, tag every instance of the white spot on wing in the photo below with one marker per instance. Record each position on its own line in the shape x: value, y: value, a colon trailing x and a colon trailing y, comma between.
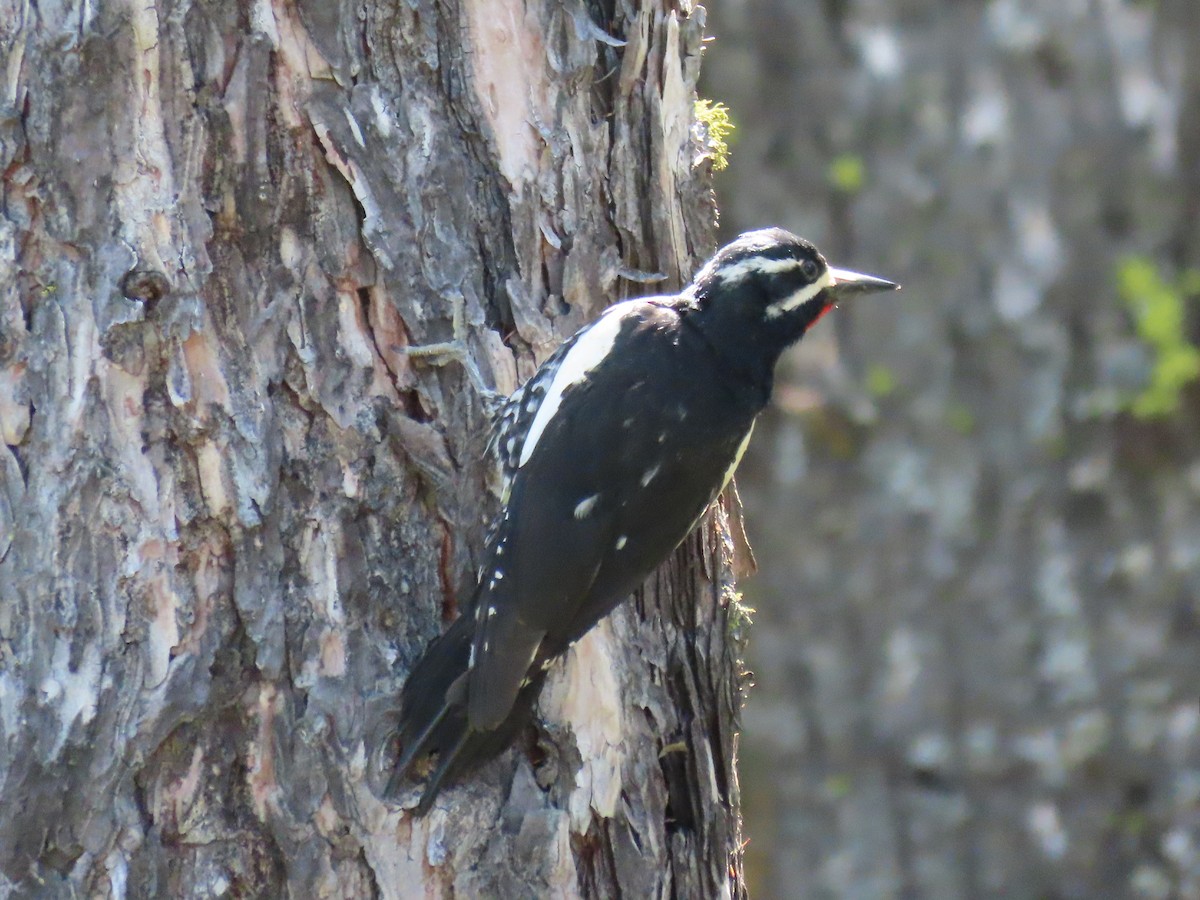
x: 648, y: 475
x: 591, y: 347
x: 622, y: 541
x: 585, y: 506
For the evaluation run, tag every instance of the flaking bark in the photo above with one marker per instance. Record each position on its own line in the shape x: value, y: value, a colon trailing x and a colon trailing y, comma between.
x: 234, y: 509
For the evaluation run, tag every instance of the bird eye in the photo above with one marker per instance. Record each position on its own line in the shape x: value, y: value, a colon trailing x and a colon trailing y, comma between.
x: 808, y: 269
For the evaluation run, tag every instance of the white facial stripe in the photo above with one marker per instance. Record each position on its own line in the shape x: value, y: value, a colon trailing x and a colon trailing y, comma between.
x: 802, y: 296
x: 756, y: 265
x: 591, y: 347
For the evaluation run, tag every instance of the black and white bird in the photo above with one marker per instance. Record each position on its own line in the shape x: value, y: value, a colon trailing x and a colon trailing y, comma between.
x: 610, y: 455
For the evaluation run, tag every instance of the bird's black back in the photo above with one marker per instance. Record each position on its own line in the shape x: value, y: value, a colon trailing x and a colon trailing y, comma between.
x: 610, y: 454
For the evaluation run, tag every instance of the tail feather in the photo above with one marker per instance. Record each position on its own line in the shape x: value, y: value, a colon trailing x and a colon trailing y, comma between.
x: 433, y: 701
x: 412, y: 749
x: 433, y: 716
x: 445, y: 767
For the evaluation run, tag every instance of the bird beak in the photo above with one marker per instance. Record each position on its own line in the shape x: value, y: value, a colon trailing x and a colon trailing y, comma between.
x: 847, y: 283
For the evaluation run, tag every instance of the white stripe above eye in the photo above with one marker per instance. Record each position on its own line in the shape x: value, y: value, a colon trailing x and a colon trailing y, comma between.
x: 802, y: 296
x: 590, y: 349
x: 756, y: 265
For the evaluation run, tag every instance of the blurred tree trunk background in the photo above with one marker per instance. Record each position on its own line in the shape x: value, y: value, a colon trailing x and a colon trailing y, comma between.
x: 976, y: 505
x: 234, y: 509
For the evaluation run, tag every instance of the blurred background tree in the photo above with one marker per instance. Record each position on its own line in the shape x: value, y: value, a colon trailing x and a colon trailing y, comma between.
x: 976, y: 505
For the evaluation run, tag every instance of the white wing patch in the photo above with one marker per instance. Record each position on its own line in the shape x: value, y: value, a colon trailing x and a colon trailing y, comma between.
x: 591, y: 346
x: 519, y: 412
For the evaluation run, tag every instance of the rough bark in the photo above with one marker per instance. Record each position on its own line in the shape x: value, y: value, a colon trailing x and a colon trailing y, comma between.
x: 234, y: 508
x: 977, y: 653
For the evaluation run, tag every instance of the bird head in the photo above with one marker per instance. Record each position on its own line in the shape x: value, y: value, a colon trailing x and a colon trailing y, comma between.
x: 777, y: 284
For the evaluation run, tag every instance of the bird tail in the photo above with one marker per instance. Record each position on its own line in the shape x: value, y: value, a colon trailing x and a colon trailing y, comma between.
x: 433, y: 712
x: 433, y: 716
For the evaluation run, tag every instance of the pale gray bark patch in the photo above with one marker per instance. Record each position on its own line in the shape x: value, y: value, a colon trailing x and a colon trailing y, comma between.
x: 233, y: 510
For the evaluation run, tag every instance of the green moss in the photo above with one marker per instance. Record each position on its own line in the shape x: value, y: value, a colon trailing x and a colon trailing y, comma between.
x: 880, y: 381
x: 833, y: 433
x: 1131, y: 822
x: 960, y: 418
x: 717, y: 129
x: 1159, y: 310
x: 839, y: 786
x: 847, y: 173
x: 1055, y: 447
x: 741, y: 615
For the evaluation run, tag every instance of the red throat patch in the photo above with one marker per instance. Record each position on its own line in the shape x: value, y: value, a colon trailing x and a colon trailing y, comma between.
x: 825, y: 309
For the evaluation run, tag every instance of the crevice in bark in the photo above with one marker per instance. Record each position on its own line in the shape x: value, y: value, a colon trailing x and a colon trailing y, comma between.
x: 256, y: 546
x: 446, y: 559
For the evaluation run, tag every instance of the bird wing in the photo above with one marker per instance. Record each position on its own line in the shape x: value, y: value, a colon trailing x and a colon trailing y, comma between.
x: 519, y: 411
x: 623, y: 453
x: 557, y: 523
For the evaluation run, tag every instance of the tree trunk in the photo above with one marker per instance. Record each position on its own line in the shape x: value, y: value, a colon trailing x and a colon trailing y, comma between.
x: 235, y: 508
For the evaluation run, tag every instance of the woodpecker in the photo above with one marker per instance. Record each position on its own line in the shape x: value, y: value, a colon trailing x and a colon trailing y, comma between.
x: 609, y: 456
